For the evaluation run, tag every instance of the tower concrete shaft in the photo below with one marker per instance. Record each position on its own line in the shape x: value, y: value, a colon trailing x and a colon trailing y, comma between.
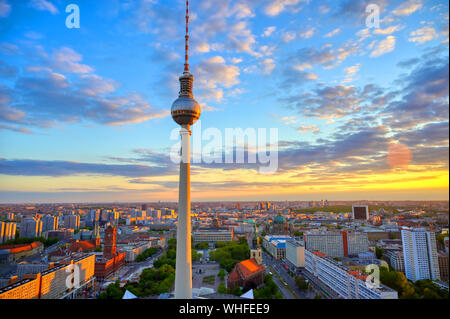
x: 183, y: 273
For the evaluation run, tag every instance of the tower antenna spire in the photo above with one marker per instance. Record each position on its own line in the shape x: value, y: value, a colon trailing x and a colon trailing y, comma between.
x: 186, y: 56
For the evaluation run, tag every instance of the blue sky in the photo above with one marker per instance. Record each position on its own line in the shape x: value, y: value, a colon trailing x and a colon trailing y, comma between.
x: 100, y: 95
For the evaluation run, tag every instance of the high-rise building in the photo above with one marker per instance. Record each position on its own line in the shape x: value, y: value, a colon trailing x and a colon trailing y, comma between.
x: 360, y: 212
x: 443, y: 266
x: 295, y: 253
x: 49, y: 223
x: 420, y: 254
x: 30, y: 227
x: 72, y: 221
x: 357, y: 242
x: 7, y: 231
x: 329, y: 243
x: 92, y: 217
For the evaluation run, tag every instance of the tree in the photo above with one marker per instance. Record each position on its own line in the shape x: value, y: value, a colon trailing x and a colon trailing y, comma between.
x: 113, y: 291
x: 440, y: 238
x: 237, y: 291
x: 222, y: 289
x: 195, y: 255
x: 202, y: 246
x: 397, y: 281
x: 301, y: 283
x: 379, y: 252
x: 221, y: 274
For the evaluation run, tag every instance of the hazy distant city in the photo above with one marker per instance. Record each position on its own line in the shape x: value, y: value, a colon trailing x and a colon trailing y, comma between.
x: 272, y: 249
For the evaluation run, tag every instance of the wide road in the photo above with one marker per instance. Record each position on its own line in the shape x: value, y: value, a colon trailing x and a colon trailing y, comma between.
x: 279, y: 269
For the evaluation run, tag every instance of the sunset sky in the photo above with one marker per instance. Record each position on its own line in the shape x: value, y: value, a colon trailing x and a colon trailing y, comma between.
x: 361, y: 113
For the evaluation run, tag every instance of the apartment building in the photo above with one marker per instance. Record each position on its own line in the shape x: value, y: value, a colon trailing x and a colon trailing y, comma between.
x: 343, y: 281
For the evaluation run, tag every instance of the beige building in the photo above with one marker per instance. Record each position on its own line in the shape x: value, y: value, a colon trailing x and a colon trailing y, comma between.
x: 295, y: 253
x: 54, y: 283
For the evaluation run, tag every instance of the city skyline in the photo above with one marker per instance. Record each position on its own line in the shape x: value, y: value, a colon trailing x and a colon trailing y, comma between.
x: 361, y: 113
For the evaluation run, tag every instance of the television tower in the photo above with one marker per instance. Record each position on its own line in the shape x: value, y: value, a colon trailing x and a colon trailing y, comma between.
x: 185, y: 112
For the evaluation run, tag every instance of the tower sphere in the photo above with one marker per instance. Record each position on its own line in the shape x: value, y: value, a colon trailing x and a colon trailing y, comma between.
x: 185, y: 110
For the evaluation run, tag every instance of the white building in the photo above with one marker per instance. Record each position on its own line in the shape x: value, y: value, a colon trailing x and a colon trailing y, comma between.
x: 295, y: 253
x: 337, y: 244
x: 420, y: 254
x: 212, y: 234
x: 342, y: 281
x: 276, y: 245
x: 329, y: 243
x: 357, y: 243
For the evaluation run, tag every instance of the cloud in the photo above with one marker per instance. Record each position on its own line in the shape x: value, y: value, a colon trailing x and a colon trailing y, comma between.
x: 213, y: 73
x: 303, y: 66
x: 9, y: 49
x: 327, y: 102
x: 43, y: 5
x: 333, y: 33
x: 25, y: 167
x: 383, y: 47
x: 66, y: 60
x: 287, y: 120
x: 202, y: 47
x: 15, y: 129
x: 268, y: 31
x: 327, y: 57
x: 307, y: 129
x: 276, y: 7
x: 42, y: 97
x: 7, y: 71
x: 407, y: 8
x: 5, y: 8
x: 242, y: 10
x: 288, y: 36
x: 423, y: 35
x: 308, y: 33
x: 351, y: 72
x: 388, y: 30
x: 324, y: 9
x: 408, y: 63
x: 267, y: 66
x: 425, y: 96
x: 241, y: 38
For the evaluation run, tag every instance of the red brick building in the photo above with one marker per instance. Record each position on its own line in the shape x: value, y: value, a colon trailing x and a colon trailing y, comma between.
x: 247, y: 274
x: 111, y: 260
